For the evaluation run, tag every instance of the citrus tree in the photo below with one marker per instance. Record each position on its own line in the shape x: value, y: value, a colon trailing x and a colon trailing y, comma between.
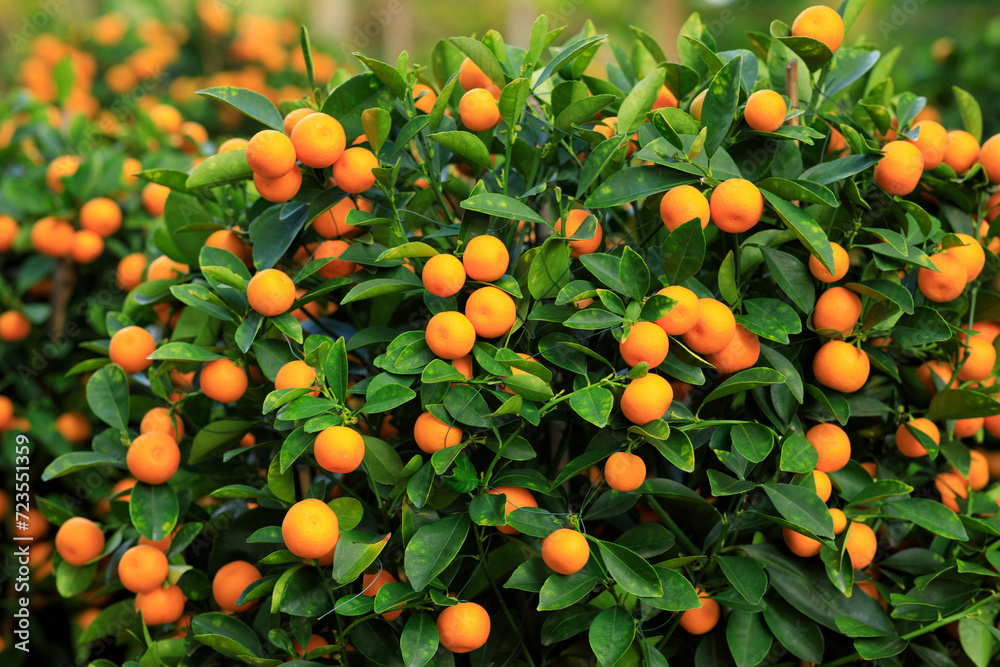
x: 691, y: 362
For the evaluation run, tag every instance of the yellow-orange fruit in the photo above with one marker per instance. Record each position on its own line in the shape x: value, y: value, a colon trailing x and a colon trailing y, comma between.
x: 765, y: 111
x: 646, y: 398
x: 682, y: 204
x: 822, y: 24
x: 432, y: 434
x: 932, y: 141
x: 908, y: 444
x: 684, y: 314
x: 831, y: 444
x: 841, y: 366
x: 900, y: 168
x: 945, y: 284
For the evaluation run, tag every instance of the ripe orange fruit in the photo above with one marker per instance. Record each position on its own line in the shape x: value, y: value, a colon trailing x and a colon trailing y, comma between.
x: 682, y: 204
x: 450, y: 335
x: 310, y: 529
x: 684, y: 314
x: 353, y: 170
x: 271, y: 292
x: 143, y: 568
x: 161, y: 605
x: 932, y: 141
x: 227, y: 239
x: 714, y: 329
x: 280, y: 189
x: 697, y: 103
x: 831, y: 444
x: 234, y: 144
x: 861, y: 545
x: 841, y: 366
x: 664, y: 99
x: 371, y: 584
x: 129, y: 271
x: 821, y: 481
x: 701, y: 620
x: 296, y: 374
x: 908, y: 444
x: 517, y: 498
x: 230, y: 582
x: 164, y: 268
x: 837, y: 309
x: 154, y: 198
x: 432, y: 434
x: 980, y: 357
x: 971, y: 255
x: 943, y: 371
x: 463, y: 627
x: 573, y: 222
x: 223, y: 381
x: 470, y: 76
x: 129, y: 348
x: 839, y: 520
x: 947, y: 283
x: 565, y: 551
x: 741, y: 353
x: 8, y: 232
x: 335, y: 267
x: 424, y: 98
x: 820, y: 23
x: 988, y: 331
x: 270, y: 154
x: 293, y: 117
x: 315, y: 642
x: 644, y: 341
x: 74, y: 427
x: 951, y: 486
x: 318, y: 139
x: 6, y: 417
x: 900, y: 168
x: 646, y: 398
x: 60, y: 168
x: 841, y: 264
x: 153, y: 457
x: 485, y: 258
x: 624, y: 471
x: 989, y: 157
x: 339, y: 449
x: 79, y: 541
x: 765, y: 112
x: 463, y: 365
x: 799, y: 544
x: 332, y: 223
x: 14, y: 326
x: 736, y: 205
x: 166, y: 118
x: 443, y: 275
x: 979, y: 472
x: 478, y: 110
x: 101, y: 216
x: 87, y: 247
x: 491, y: 311
x: 966, y: 428
x: 962, y: 151
x: 53, y: 237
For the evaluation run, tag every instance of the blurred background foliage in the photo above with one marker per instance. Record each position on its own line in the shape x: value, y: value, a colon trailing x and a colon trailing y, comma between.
x: 176, y: 48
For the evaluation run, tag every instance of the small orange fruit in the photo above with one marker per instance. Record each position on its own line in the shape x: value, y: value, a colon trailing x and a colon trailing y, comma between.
x: 517, y: 498
x: 573, y: 222
x: 822, y: 484
x: 945, y: 284
x: 951, y: 486
x: 230, y: 582
x: 296, y: 374
x: 153, y: 457
x: 161, y: 420
x: 841, y: 264
x: 979, y: 472
x: 839, y: 520
x: 280, y: 189
x: 736, y: 206
x: 470, y: 76
x: 989, y: 157
x: 837, y: 309
x: 765, y: 111
x: 971, y: 255
x: 424, y: 98
x: 293, y: 117
x: 908, y: 444
x: 714, y: 329
x: 52, y: 237
x: 79, y: 541
x: 310, y: 529
x: 831, y: 444
x: 223, y: 381
x: 353, y: 170
x: 443, y: 275
x: 861, y: 545
x: 932, y: 140
x: 979, y: 357
x: 703, y: 619
x: 161, y: 605
x: 339, y: 449
x: 565, y: 551
x: 799, y: 544
x: 14, y: 326
x: 624, y: 471
x: 164, y: 268
x: 129, y: 348
x: 129, y: 271
x: 491, y: 311
x: 87, y: 247
x: 464, y: 627
x: 270, y: 154
x: 684, y: 314
x: 485, y: 258
x: 900, y: 168
x: 682, y: 204
x: 646, y: 398
x: 741, y: 353
x: 271, y: 292
x: 143, y: 568
x: 822, y: 24
x: 8, y: 232
x: 101, y: 216
x: 432, y: 434
x: 478, y: 110
x: 644, y: 341
x: 335, y: 267
x: 841, y: 366
x: 962, y: 151
x: 319, y: 140
x: 450, y: 335
x: 371, y: 584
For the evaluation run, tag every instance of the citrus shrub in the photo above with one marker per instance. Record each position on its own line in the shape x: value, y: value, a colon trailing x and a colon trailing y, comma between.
x: 502, y: 358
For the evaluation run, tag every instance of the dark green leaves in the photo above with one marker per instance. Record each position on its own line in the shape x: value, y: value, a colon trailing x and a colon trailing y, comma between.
x: 433, y: 548
x: 501, y: 206
x: 108, y: 397
x: 250, y: 103
x: 153, y: 509
x: 465, y: 144
x: 683, y: 252
x: 630, y: 570
x: 961, y: 404
x: 931, y: 515
x: 801, y: 506
x: 218, y: 170
x: 721, y: 101
x: 804, y: 227
x: 611, y: 634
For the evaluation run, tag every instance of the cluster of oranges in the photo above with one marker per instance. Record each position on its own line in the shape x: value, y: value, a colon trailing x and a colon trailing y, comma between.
x: 478, y: 320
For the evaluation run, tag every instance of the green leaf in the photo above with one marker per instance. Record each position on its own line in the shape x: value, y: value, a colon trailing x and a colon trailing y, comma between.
x: 754, y: 441
x: 838, y: 170
x: 248, y: 102
x: 433, y: 548
x: 882, y: 290
x: 72, y: 580
x: 593, y: 404
x: 600, y: 157
x: 746, y: 575
x: 630, y: 570
x: 273, y: 231
x: 978, y: 640
x: 961, y: 404
x: 932, y: 516
x: 221, y: 169
x: 566, y: 55
x: 225, y: 633
x: 481, y: 54
x: 72, y: 462
x: 377, y: 123
x: 387, y: 74
x: 883, y: 488
x: 771, y: 319
x: 924, y: 326
x: 154, y: 510
x: 801, y: 506
x: 560, y: 591
x: 634, y: 274
x: 501, y: 206
x: 639, y: 101
x: 634, y: 183
x: 744, y: 380
x: 355, y: 551
x: 721, y: 101
x: 792, y: 277
x: 419, y: 640
x: 683, y: 252
x: 806, y: 191
x: 798, y: 455
x: 748, y: 637
x: 797, y: 633
x: 611, y: 634
x: 183, y: 352
x: 352, y: 98
x: 108, y: 397
x: 465, y: 144
x: 972, y: 115
x: 805, y: 228
x: 512, y: 100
